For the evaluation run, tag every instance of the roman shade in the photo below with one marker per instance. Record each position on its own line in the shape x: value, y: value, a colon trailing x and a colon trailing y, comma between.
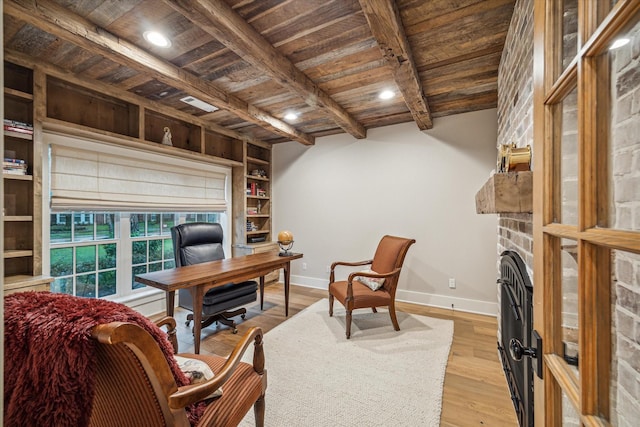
x: 90, y: 175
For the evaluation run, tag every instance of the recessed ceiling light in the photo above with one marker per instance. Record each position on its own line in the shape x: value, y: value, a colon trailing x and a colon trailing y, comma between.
x: 619, y: 43
x: 156, y: 38
x: 386, y: 94
x: 291, y: 116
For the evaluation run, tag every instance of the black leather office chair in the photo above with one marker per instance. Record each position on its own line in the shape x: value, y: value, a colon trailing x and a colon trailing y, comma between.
x: 198, y: 242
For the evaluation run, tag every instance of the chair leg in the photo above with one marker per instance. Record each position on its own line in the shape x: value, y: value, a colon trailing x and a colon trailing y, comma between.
x: 374, y: 309
x: 394, y: 319
x: 258, y: 411
x: 348, y: 324
x: 330, y: 305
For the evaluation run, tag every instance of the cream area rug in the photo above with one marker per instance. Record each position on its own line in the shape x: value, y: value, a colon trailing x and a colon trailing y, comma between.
x: 379, y: 377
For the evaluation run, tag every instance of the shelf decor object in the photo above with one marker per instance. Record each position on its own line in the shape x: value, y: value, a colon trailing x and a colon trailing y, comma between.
x: 166, y: 139
x: 285, y: 241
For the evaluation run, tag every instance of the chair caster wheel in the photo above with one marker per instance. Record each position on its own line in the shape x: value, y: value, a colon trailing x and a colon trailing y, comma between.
x: 235, y: 331
x: 243, y: 316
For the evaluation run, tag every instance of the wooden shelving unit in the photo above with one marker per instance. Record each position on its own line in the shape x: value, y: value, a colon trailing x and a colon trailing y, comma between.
x: 252, y: 190
x: 21, y: 214
x: 258, y: 194
x: 69, y: 105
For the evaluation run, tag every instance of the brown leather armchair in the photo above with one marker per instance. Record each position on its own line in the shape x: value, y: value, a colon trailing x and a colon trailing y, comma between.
x: 353, y: 293
x: 135, y: 386
x: 91, y: 362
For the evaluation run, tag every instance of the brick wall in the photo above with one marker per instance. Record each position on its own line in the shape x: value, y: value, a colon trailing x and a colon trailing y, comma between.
x: 515, y: 125
x: 515, y: 120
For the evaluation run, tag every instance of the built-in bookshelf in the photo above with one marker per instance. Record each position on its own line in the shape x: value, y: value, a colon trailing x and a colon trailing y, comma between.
x: 83, y: 110
x: 258, y: 194
x: 21, y: 180
x: 69, y: 105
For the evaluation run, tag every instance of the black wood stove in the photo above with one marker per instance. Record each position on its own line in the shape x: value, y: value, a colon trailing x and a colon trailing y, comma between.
x: 517, y: 336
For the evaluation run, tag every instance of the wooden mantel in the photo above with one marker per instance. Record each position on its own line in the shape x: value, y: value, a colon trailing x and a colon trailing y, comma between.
x: 510, y: 192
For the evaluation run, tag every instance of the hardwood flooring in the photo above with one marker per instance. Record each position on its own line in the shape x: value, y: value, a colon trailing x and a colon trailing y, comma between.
x: 475, y: 390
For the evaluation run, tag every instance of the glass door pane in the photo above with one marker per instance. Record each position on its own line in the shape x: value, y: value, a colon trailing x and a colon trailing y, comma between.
x: 569, y: 159
x: 569, y: 31
x: 624, y: 145
x: 570, y: 324
x: 625, y: 346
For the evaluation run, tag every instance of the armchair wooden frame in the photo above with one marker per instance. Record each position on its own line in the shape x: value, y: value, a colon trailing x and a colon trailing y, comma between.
x: 352, y: 294
x: 136, y: 387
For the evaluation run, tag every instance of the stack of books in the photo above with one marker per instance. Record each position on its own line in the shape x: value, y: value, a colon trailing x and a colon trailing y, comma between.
x: 16, y: 126
x: 14, y: 166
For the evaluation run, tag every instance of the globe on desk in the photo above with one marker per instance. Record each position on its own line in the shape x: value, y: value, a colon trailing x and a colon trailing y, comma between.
x: 285, y: 240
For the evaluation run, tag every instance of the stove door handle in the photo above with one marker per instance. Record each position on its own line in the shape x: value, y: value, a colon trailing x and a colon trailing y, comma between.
x: 517, y: 351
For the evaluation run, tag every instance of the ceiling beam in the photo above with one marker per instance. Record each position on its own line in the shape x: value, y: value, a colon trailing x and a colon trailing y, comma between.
x: 386, y: 26
x: 56, y: 20
x: 228, y: 27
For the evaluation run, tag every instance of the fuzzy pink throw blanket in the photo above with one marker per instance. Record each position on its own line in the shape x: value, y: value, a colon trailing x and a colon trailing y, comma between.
x: 48, y: 361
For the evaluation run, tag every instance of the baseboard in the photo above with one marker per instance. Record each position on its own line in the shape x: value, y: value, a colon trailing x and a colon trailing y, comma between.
x: 445, y: 301
x: 421, y: 298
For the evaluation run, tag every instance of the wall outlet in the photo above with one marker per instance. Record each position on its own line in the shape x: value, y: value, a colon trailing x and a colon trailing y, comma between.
x: 304, y: 265
x: 452, y: 283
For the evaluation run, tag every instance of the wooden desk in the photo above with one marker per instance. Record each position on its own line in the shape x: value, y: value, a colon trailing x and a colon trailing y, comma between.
x: 199, y: 278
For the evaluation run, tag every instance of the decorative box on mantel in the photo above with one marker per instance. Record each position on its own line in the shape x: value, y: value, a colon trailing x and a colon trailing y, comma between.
x: 510, y: 192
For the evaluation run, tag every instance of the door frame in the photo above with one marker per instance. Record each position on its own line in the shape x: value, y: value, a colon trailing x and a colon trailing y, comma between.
x: 598, y: 24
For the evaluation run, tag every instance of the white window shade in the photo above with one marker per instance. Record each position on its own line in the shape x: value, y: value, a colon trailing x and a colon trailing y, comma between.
x: 87, y: 175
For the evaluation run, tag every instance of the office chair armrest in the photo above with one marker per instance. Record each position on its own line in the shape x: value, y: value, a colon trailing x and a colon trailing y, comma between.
x: 189, y: 394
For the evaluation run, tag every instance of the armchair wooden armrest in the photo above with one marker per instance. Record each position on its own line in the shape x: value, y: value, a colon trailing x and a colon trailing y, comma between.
x: 187, y: 395
x: 373, y: 275
x: 170, y: 323
x: 348, y: 264
x: 352, y: 276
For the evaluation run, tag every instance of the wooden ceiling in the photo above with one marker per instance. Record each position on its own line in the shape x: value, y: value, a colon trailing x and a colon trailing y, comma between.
x: 256, y: 60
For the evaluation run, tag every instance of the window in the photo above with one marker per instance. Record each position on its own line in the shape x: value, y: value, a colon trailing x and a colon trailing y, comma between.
x: 98, y: 254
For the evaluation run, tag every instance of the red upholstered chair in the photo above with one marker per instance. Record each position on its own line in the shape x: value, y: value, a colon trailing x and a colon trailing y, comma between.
x: 353, y: 293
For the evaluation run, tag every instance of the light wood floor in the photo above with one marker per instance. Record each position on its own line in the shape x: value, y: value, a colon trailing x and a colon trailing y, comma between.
x: 475, y: 390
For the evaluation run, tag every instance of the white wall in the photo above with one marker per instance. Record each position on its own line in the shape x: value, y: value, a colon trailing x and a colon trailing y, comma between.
x: 342, y: 195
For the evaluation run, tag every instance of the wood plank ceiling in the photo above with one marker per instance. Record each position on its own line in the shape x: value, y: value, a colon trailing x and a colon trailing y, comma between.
x: 257, y: 60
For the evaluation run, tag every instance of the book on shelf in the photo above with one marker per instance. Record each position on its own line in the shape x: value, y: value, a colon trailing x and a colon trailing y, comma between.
x: 14, y: 166
x: 19, y: 130
x: 251, y: 189
x: 17, y: 126
x: 14, y: 171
